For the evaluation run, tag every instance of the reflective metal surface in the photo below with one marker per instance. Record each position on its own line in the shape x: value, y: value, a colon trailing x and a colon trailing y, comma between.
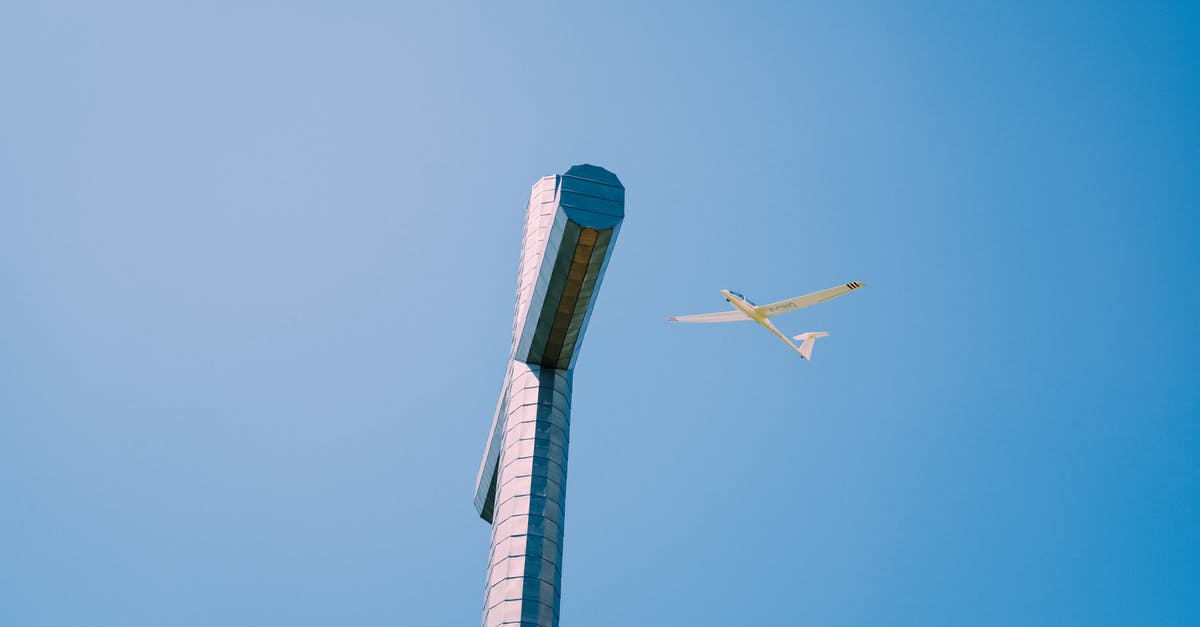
x: 570, y: 224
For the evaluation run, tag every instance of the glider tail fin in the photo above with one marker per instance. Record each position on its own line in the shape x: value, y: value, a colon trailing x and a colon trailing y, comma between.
x: 809, y: 338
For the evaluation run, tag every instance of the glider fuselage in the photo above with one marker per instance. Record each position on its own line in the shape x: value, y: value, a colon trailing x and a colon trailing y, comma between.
x: 744, y: 305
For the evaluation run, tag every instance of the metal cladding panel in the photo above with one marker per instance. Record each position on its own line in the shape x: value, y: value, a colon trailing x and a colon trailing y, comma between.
x: 553, y: 279
x: 597, y: 264
x: 485, y: 480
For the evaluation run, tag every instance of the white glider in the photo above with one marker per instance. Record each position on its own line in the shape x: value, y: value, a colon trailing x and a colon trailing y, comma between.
x: 744, y: 309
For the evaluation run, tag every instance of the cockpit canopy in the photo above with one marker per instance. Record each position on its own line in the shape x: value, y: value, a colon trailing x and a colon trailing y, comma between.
x: 739, y: 295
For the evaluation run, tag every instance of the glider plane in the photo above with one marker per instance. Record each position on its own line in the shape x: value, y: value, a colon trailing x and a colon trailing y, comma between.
x: 745, y: 309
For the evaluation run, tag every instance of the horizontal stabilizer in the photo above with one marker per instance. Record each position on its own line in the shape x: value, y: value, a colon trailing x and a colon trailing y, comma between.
x: 808, y: 338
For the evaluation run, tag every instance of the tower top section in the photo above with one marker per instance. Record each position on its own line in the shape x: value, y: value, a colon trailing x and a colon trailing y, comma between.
x: 571, y: 221
x: 571, y: 224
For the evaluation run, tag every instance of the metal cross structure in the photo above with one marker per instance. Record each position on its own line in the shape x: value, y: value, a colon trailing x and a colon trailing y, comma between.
x: 570, y: 226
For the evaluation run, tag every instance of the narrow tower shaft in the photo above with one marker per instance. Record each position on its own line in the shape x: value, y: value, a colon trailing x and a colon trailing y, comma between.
x: 524, y: 569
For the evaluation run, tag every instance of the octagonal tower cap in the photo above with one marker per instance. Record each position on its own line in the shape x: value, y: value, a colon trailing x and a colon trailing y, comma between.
x: 592, y: 196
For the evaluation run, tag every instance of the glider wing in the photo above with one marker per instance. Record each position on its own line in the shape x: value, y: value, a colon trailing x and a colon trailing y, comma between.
x: 722, y: 316
x: 808, y: 300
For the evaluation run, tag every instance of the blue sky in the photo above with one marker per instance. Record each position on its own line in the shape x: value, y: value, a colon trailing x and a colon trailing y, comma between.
x: 258, y: 259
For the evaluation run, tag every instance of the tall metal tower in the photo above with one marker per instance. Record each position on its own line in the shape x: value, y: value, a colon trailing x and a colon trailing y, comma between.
x: 570, y: 226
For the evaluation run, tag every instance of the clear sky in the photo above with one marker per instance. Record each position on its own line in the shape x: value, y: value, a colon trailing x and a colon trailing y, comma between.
x: 257, y: 266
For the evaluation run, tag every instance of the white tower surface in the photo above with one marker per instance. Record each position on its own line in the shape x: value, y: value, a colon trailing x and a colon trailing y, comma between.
x: 570, y: 226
